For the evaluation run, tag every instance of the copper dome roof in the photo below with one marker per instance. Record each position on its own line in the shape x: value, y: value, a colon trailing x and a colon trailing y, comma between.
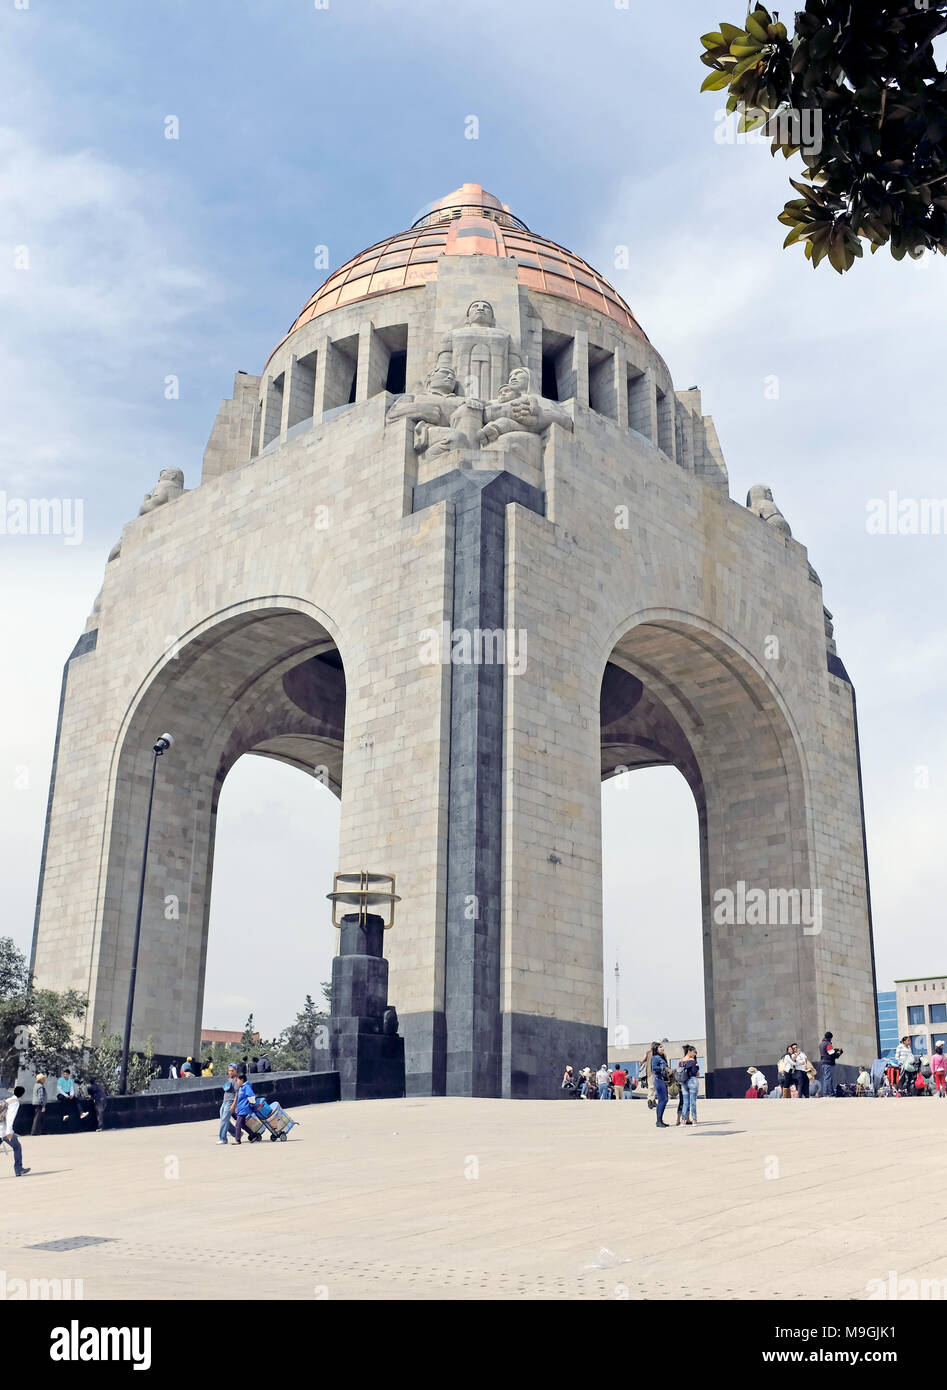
x: 467, y: 222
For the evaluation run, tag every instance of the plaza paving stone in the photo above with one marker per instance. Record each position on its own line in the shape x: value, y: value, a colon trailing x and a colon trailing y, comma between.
x: 457, y: 1199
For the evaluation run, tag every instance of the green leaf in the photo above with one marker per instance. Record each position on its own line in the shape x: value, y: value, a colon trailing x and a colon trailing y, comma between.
x: 715, y: 82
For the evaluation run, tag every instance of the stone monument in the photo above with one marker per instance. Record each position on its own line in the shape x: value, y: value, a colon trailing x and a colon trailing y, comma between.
x: 463, y: 604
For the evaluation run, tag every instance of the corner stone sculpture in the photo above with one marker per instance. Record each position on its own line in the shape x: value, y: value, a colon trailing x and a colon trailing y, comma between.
x: 168, y: 488
x: 759, y: 499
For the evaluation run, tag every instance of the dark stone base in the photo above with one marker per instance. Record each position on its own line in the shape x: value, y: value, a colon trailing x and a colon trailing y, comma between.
x: 371, y: 1067
x: 425, y: 1043
x: 534, y: 1053
x: 177, y: 1107
x: 537, y: 1049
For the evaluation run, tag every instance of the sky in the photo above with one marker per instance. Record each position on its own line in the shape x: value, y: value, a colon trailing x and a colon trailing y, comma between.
x: 301, y: 126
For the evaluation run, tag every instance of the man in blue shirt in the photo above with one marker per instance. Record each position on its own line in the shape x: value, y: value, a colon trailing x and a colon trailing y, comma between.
x: 66, y: 1097
x: 242, y: 1107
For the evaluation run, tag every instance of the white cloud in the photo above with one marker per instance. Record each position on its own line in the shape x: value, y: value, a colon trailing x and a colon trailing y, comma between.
x: 106, y: 282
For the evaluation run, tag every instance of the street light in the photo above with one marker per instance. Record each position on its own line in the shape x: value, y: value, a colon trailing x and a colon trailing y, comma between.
x: 161, y: 746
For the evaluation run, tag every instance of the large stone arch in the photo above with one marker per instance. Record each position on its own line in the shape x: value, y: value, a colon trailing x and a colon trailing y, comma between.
x: 678, y: 691
x: 266, y: 679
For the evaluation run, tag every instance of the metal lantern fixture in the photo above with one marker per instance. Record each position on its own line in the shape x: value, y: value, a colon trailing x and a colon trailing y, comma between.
x: 364, y: 891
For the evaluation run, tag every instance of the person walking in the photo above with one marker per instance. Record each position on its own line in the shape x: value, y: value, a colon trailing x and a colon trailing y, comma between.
x: 828, y: 1056
x: 786, y: 1067
x: 8, y: 1114
x: 242, y: 1107
x: 800, y: 1072
x: 939, y: 1070
x: 39, y: 1104
x: 231, y: 1086
x: 619, y: 1081
x: 907, y: 1065
x: 690, y: 1074
x: 659, y: 1077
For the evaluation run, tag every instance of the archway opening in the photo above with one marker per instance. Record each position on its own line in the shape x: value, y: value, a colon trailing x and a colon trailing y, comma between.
x: 269, y: 942
x: 676, y: 693
x: 651, y: 911
x: 267, y: 680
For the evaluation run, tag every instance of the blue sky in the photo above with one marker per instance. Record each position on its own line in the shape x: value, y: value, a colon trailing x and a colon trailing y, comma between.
x: 301, y: 127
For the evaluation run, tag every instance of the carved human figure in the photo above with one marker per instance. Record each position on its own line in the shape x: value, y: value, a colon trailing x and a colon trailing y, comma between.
x: 759, y: 499
x: 515, y: 408
x: 481, y: 354
x: 168, y: 488
x: 443, y: 420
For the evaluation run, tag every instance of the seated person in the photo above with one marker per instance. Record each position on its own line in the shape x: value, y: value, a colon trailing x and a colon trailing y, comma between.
x: 515, y: 409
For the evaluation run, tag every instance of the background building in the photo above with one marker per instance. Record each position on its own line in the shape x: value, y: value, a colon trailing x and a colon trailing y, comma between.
x: 922, y: 1011
x: 888, y: 1021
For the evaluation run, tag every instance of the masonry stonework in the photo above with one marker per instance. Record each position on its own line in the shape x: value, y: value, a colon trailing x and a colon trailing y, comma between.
x: 461, y: 630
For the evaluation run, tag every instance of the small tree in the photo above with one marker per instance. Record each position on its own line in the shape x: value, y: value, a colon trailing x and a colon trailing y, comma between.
x: 52, y: 1039
x: 103, y: 1058
x: 141, y: 1068
x: 249, y: 1040
x: 14, y: 973
x: 292, y: 1050
x: 36, y: 1025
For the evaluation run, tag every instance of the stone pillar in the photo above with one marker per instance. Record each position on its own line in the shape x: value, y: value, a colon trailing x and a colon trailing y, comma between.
x: 475, y: 824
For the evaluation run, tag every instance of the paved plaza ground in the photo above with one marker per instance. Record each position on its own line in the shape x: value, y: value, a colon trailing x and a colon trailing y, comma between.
x: 457, y: 1199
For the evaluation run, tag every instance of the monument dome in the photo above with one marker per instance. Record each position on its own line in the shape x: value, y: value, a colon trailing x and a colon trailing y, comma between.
x: 467, y: 222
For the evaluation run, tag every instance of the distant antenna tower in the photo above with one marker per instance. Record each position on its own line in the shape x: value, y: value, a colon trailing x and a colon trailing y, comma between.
x: 617, y: 990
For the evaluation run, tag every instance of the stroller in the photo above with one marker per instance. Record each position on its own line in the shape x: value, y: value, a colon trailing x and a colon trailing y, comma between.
x: 268, y: 1117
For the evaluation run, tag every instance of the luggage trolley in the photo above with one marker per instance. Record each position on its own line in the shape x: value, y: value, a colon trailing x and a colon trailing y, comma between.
x: 269, y: 1117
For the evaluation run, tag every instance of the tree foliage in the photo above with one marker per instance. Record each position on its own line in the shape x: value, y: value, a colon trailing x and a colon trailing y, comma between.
x: 104, y: 1059
x: 865, y: 73
x: 37, y: 1026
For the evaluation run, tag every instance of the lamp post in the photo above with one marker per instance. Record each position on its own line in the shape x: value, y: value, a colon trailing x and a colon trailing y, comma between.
x: 161, y: 746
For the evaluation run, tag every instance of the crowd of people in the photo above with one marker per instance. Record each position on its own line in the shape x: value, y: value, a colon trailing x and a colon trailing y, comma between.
x: 70, y: 1098
x: 797, y: 1078
x: 903, y: 1075
x: 190, y: 1067
x: 74, y: 1101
